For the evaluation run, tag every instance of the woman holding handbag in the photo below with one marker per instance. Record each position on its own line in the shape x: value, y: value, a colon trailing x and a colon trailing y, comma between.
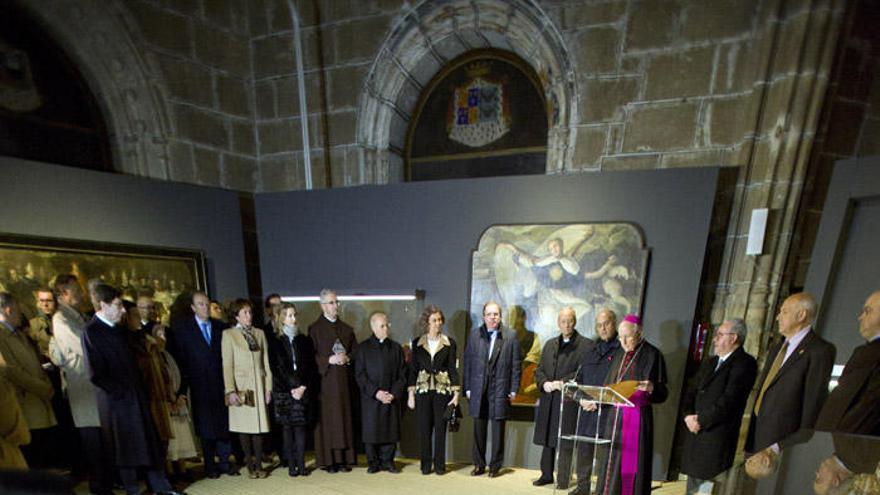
x: 294, y: 371
x: 247, y: 379
x: 433, y: 387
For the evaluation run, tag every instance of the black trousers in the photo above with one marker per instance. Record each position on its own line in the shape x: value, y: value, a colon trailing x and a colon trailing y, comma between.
x: 585, y: 453
x: 252, y: 445
x: 98, y: 461
x: 40, y: 453
x: 431, y: 422
x: 481, y: 430
x: 548, y: 460
x: 212, y: 447
x: 380, y: 455
x: 294, y: 445
x: 156, y: 480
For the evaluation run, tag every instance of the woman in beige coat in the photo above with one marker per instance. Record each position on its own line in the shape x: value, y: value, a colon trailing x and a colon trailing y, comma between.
x: 247, y: 380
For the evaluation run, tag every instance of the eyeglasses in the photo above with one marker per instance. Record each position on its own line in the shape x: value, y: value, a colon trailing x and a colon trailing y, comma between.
x: 335, y: 303
x: 717, y: 334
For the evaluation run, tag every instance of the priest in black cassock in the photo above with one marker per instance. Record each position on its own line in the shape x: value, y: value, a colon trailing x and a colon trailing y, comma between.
x: 380, y: 371
x: 629, y: 469
x: 560, y: 360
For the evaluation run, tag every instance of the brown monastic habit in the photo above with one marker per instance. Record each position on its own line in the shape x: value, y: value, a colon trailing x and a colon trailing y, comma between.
x: 334, y: 434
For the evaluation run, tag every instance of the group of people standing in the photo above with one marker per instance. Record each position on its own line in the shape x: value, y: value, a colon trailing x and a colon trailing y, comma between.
x: 136, y: 390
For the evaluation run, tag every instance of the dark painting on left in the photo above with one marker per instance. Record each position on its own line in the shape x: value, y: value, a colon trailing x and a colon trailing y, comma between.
x: 28, y: 263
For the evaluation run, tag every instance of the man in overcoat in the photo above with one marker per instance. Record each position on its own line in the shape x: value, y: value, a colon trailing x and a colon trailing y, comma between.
x: 66, y: 352
x: 380, y: 371
x: 195, y: 344
x: 491, y: 375
x: 713, y: 408
x: 123, y: 402
x: 854, y: 405
x: 20, y: 363
x: 334, y: 343
x: 559, y: 363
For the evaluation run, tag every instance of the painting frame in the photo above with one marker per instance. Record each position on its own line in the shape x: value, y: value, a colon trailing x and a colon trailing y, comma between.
x: 637, y: 262
x: 47, y: 250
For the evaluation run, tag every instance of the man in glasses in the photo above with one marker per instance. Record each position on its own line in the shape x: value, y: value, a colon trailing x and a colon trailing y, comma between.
x: 713, y: 408
x: 334, y: 343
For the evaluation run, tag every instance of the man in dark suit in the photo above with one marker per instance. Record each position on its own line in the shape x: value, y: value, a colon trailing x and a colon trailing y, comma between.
x: 492, y: 367
x: 195, y: 344
x: 560, y: 360
x: 123, y: 399
x: 794, y: 382
x: 714, y: 407
x: 852, y: 406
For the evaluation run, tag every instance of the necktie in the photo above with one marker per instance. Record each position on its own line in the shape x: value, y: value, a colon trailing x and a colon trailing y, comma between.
x: 774, y: 369
x: 205, y: 332
x: 718, y: 365
x: 492, y: 336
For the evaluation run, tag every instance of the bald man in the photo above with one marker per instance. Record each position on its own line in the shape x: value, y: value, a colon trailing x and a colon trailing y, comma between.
x: 852, y: 406
x: 794, y: 381
x: 380, y: 372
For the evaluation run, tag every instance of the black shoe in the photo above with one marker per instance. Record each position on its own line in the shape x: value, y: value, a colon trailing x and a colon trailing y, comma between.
x: 213, y: 475
x: 477, y: 471
x: 579, y: 491
x: 172, y: 492
x: 293, y: 472
x: 333, y: 468
x: 562, y: 486
x: 233, y: 471
x: 440, y: 472
x: 372, y: 470
x: 345, y: 468
x: 426, y: 471
x: 537, y: 482
x: 392, y: 469
x: 494, y: 473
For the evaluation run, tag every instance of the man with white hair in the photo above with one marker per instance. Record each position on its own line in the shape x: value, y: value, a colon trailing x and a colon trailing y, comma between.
x: 794, y: 381
x: 629, y: 470
x: 380, y: 371
x: 713, y: 407
x: 334, y: 343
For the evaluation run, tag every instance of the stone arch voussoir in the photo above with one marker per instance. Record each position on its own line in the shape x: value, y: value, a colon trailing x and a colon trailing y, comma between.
x: 424, y: 38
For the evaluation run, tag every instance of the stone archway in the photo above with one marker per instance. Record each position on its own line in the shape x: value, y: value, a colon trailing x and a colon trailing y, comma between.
x: 99, y: 37
x: 424, y: 38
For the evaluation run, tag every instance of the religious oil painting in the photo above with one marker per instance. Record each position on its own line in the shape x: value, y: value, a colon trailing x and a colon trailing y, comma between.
x: 533, y: 271
x: 28, y: 263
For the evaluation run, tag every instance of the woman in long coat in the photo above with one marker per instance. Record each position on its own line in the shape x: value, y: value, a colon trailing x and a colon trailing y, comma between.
x: 247, y: 379
x: 292, y: 359
x: 433, y: 387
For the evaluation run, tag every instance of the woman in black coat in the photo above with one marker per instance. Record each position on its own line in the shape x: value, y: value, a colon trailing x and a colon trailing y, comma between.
x: 292, y: 360
x: 433, y: 387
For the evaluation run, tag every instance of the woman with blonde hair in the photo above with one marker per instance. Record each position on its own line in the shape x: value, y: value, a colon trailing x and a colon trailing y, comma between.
x: 294, y: 371
x: 247, y: 380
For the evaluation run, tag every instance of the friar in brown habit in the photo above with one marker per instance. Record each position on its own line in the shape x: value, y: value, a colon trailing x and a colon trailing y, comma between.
x: 334, y: 343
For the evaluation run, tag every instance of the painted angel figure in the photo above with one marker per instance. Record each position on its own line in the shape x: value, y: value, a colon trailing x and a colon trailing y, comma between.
x: 555, y: 276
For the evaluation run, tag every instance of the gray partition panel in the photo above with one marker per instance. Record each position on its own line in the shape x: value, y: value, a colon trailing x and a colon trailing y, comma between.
x: 47, y: 200
x: 420, y: 236
x: 843, y: 267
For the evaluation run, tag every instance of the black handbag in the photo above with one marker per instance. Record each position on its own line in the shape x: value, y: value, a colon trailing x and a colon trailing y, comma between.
x: 453, y: 418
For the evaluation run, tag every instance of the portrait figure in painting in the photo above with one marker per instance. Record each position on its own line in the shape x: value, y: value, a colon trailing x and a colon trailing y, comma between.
x: 535, y: 270
x: 162, y: 274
